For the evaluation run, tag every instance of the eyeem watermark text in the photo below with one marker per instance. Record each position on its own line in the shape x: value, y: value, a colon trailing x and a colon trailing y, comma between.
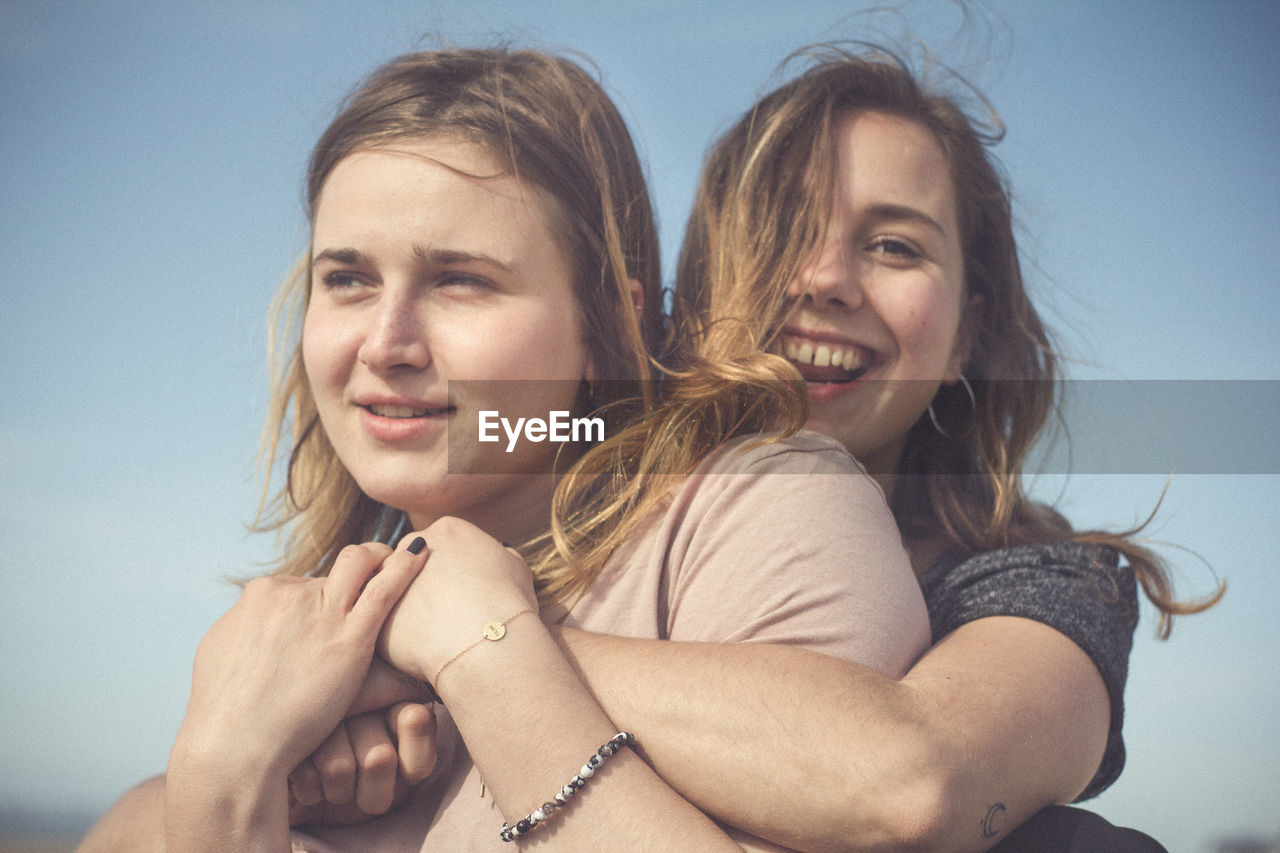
x: 558, y: 427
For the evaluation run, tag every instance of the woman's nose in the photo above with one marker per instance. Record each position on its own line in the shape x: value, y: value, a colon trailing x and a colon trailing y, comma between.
x: 396, y: 337
x: 830, y: 278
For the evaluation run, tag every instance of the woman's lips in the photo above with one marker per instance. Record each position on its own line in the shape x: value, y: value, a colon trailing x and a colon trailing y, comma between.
x: 397, y: 412
x: 396, y: 423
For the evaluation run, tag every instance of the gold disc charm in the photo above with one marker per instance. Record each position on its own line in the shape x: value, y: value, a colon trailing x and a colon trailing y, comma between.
x: 493, y: 631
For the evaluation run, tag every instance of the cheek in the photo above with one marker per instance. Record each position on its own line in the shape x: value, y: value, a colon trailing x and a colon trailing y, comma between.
x: 547, y: 342
x: 927, y: 329
x: 310, y: 356
x: 322, y: 346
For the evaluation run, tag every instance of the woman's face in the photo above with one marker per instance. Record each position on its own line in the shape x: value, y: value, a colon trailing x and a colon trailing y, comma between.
x: 878, y: 326
x: 422, y: 274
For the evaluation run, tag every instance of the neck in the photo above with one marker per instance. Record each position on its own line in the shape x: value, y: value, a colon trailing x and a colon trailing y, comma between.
x: 924, y: 551
x: 883, y: 468
x: 512, y: 510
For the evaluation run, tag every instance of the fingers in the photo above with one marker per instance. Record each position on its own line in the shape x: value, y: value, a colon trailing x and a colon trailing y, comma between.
x: 357, y: 767
x: 383, y: 589
x: 413, y: 726
x: 352, y: 570
x: 336, y: 763
x: 376, y: 762
x: 305, y: 784
x: 385, y: 686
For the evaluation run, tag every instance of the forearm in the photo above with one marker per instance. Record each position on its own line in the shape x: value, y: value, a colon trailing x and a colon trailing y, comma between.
x: 134, y: 824
x: 213, y: 803
x: 769, y: 739
x: 530, y: 724
x: 820, y: 754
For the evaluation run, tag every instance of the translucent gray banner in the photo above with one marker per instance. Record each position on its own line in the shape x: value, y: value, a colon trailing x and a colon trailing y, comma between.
x: 1193, y: 426
x: 1210, y: 426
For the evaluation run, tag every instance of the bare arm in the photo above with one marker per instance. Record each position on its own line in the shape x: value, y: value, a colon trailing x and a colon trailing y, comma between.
x: 527, y: 719
x: 135, y: 824
x: 1002, y: 717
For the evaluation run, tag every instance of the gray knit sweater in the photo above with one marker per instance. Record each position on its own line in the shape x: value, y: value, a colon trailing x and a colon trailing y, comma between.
x: 1077, y: 589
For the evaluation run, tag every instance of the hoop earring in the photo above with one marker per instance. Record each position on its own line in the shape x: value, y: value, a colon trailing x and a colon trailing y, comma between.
x: 934, y: 417
x: 968, y: 389
x: 973, y: 404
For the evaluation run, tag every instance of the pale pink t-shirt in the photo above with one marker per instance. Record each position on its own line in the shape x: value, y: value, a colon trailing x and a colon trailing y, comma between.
x: 785, y: 542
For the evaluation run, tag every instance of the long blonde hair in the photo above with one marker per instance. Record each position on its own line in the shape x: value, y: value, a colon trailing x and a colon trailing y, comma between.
x: 552, y: 125
x: 761, y: 206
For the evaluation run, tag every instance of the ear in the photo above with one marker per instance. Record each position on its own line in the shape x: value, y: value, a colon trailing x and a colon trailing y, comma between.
x: 637, y: 295
x: 965, y: 335
x: 637, y: 301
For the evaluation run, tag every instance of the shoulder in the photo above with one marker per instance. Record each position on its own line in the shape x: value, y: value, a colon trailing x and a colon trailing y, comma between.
x: 1080, y: 590
x: 1022, y: 577
x: 796, y: 473
x: 801, y: 452
x: 788, y: 540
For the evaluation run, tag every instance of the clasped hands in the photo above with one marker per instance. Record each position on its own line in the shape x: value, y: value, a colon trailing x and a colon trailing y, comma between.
x: 287, y: 687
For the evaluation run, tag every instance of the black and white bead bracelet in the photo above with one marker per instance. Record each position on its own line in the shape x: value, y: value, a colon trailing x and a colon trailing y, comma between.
x: 529, y: 822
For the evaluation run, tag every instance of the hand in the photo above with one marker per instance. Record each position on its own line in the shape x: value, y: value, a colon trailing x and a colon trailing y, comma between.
x: 371, y: 762
x: 367, y: 767
x: 471, y: 580
x: 275, y: 674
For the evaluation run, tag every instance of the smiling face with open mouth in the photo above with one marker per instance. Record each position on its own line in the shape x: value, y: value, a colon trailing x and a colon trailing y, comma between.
x: 422, y: 274
x: 879, y: 306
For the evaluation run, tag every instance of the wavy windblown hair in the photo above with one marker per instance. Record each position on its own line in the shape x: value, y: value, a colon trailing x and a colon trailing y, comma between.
x: 551, y: 125
x: 762, y: 206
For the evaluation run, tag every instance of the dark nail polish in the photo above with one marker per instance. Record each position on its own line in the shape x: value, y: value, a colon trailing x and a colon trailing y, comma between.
x: 416, y: 546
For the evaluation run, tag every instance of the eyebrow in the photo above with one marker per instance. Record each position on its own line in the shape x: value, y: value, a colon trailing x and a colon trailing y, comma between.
x: 448, y: 257
x: 352, y: 257
x: 901, y: 212
x: 440, y: 257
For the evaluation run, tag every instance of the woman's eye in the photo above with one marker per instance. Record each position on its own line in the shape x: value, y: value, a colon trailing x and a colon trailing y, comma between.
x: 895, y: 248
x: 459, y: 279
x: 339, y: 279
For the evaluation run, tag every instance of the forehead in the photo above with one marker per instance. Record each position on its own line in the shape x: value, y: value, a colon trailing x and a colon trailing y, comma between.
x: 441, y: 189
x: 894, y: 159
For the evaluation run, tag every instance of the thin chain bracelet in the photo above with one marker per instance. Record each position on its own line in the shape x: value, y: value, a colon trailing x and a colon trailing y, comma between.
x: 493, y: 631
x: 565, y: 794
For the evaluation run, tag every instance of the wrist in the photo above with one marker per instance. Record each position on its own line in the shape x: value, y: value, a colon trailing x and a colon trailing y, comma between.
x: 496, y: 652
x: 419, y: 646
x: 494, y: 631
x: 214, y: 799
x: 217, y: 765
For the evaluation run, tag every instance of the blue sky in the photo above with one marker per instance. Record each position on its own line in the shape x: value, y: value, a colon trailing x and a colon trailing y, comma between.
x: 151, y: 157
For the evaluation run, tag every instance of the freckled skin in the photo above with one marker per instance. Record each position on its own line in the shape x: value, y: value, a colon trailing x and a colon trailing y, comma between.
x: 423, y: 275
x: 889, y: 279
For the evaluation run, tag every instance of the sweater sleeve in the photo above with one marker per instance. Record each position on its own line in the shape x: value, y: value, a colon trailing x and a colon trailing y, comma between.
x: 1081, y: 591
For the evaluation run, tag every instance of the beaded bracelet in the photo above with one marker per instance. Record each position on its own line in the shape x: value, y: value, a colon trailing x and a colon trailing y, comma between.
x: 565, y: 794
